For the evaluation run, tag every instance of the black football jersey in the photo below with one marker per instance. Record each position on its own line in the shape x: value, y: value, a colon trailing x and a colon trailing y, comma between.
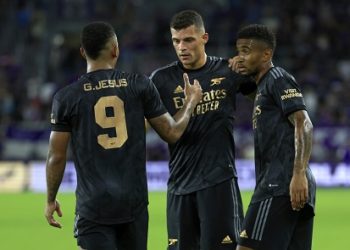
x: 104, y: 111
x: 278, y: 95
x: 205, y: 154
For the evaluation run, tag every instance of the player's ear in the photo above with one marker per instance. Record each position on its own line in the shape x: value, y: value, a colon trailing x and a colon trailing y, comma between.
x: 205, y: 37
x: 115, y: 50
x: 267, y: 55
x: 82, y: 52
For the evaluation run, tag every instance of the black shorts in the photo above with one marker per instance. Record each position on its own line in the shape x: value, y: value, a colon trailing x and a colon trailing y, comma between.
x: 125, y: 236
x: 272, y: 224
x: 207, y: 219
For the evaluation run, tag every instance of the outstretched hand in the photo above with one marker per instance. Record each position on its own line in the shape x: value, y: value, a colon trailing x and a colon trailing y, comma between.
x: 193, y: 92
x: 51, y: 207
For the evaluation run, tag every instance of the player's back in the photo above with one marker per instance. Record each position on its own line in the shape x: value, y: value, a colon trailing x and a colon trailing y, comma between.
x: 105, y: 110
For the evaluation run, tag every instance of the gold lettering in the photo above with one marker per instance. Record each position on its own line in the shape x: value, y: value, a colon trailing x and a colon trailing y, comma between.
x: 256, y: 113
x: 291, y: 95
x: 112, y: 83
x: 206, y: 107
x: 87, y: 87
x: 257, y: 110
x: 212, y: 94
x: 216, y: 105
x: 206, y: 97
x: 98, y: 86
x: 223, y: 93
x: 220, y: 94
x: 255, y: 123
x: 123, y: 82
x: 210, y: 101
x: 198, y: 109
x: 178, y: 102
x: 103, y: 84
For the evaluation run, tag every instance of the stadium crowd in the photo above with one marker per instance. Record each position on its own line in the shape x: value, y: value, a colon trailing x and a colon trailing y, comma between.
x: 38, y: 55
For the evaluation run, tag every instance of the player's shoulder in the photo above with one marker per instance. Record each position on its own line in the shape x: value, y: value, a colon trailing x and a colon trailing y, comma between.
x: 162, y: 74
x: 68, y: 92
x: 163, y: 71
x: 218, y: 59
x: 134, y: 77
x: 217, y: 63
x: 221, y: 65
x: 280, y: 78
x: 279, y: 74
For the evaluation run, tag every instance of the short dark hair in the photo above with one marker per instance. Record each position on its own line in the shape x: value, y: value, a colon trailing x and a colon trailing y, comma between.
x: 186, y: 18
x: 259, y: 32
x: 94, y: 38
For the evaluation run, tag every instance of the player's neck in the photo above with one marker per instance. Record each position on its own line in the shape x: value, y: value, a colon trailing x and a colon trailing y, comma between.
x: 266, y: 67
x: 99, y: 65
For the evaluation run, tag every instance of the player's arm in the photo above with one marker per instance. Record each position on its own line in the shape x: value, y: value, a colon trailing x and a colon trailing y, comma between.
x: 55, y: 165
x: 303, y: 144
x: 171, y: 129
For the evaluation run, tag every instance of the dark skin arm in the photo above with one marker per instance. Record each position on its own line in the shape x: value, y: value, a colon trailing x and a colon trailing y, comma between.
x: 303, y: 145
x: 171, y: 129
x: 55, y: 165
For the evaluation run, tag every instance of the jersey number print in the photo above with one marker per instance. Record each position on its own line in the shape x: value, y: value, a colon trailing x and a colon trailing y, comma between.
x: 117, y: 121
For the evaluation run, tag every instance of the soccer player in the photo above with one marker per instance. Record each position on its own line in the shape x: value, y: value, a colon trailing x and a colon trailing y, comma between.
x: 102, y: 114
x: 281, y: 211
x: 204, y: 207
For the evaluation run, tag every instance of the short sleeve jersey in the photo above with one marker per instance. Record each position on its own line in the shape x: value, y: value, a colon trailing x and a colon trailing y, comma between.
x: 204, y: 155
x: 278, y: 96
x: 104, y: 112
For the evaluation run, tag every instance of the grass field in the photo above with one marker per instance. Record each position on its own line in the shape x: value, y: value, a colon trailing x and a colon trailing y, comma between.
x: 23, y: 226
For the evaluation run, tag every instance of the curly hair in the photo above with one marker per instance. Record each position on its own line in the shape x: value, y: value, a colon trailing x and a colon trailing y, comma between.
x: 259, y: 32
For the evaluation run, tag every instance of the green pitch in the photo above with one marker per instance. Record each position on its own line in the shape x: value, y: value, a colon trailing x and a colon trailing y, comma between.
x: 23, y: 226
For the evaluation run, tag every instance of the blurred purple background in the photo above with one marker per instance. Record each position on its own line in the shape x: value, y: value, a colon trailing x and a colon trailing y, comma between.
x: 39, y: 53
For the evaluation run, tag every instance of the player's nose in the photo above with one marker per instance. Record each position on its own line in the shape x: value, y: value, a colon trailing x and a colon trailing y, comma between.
x: 182, y: 47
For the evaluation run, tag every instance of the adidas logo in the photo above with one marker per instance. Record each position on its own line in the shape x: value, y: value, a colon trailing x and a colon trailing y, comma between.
x: 172, y: 242
x: 244, y: 234
x: 178, y: 90
x: 226, y: 240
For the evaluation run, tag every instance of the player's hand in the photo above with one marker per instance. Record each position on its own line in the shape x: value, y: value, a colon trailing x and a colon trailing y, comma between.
x: 298, y: 190
x: 51, y: 207
x: 193, y: 92
x: 233, y: 64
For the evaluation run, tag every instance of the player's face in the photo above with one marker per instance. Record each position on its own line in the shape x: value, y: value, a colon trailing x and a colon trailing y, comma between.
x: 189, y: 44
x: 252, y: 56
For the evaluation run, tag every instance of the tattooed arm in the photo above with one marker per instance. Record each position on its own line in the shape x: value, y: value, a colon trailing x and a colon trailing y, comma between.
x: 303, y: 144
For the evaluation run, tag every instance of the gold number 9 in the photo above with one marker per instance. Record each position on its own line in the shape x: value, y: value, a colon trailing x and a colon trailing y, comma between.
x: 116, y: 121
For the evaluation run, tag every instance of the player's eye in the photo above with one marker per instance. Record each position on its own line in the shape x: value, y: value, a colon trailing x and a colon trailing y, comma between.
x: 189, y: 40
x: 244, y: 51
